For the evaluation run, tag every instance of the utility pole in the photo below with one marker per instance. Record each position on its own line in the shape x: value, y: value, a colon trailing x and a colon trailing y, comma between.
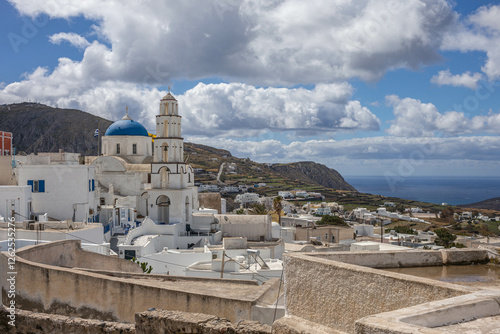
x: 222, y: 267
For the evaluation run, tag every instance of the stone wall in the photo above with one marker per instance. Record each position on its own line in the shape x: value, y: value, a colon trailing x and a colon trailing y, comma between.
x: 153, y: 321
x: 180, y: 322
x: 27, y: 322
x: 336, y: 294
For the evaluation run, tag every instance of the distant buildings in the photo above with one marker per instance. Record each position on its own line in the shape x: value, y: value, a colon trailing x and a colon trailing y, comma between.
x: 5, y: 143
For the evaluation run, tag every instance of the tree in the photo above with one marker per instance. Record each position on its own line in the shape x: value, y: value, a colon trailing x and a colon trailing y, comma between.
x: 445, y: 238
x: 332, y: 220
x: 278, y: 207
x: 404, y: 229
x: 447, y: 212
x: 258, y: 209
x: 144, y: 266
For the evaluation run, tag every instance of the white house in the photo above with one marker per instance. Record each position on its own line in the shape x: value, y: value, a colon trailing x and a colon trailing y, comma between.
x: 285, y: 194
x: 247, y: 198
x: 60, y: 186
x: 301, y: 193
x: 323, y: 211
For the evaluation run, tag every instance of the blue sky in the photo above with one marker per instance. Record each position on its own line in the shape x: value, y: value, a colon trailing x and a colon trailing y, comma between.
x: 401, y: 88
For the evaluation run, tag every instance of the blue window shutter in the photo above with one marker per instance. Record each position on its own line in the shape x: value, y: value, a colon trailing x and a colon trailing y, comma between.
x: 93, y: 184
x: 90, y: 186
x: 30, y: 183
x: 41, y: 186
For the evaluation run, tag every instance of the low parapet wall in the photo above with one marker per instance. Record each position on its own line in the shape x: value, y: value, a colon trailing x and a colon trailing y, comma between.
x: 69, y: 254
x: 46, y: 287
x: 405, y: 259
x: 336, y: 294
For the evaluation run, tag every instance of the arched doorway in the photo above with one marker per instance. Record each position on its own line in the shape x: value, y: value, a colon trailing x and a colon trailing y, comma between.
x: 163, y: 204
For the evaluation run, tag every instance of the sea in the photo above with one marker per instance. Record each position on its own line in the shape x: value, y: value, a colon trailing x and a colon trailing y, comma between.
x: 452, y: 190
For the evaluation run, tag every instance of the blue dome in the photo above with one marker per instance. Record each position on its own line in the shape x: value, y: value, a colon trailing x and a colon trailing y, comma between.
x: 126, y: 127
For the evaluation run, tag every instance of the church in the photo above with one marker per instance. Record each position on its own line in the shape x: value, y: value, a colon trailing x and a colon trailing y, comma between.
x: 148, y: 175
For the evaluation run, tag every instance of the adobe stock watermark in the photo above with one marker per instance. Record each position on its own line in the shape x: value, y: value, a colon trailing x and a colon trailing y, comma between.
x: 11, y: 271
x: 29, y: 30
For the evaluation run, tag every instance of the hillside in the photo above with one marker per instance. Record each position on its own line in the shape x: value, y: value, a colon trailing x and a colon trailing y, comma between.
x: 489, y: 204
x: 40, y: 128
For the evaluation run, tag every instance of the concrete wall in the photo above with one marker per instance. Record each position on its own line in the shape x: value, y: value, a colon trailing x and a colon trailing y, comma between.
x: 43, y: 286
x: 68, y: 254
x: 327, y: 234
x: 210, y: 201
x: 403, y: 259
x: 253, y: 227
x: 17, y: 199
x: 336, y: 294
x: 6, y: 177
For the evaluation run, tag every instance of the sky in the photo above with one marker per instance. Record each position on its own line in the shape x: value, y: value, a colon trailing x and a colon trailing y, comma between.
x: 396, y: 88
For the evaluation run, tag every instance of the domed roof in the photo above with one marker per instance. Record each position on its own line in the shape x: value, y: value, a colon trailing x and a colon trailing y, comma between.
x: 126, y: 127
x: 169, y: 97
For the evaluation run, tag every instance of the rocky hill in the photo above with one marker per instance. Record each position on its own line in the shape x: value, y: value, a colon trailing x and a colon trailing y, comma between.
x: 489, y: 204
x: 40, y: 128
x: 312, y: 172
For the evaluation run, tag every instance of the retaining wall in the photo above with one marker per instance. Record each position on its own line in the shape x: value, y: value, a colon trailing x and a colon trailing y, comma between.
x: 336, y: 294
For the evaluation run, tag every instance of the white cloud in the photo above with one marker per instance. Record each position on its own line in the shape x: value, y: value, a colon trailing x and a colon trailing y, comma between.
x: 417, y: 119
x: 72, y: 38
x: 265, y: 43
x: 480, y: 31
x: 241, y: 110
x: 374, y: 151
x: 235, y: 109
x: 466, y: 79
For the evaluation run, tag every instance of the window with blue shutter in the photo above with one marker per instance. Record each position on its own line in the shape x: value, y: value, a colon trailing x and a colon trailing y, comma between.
x: 37, y: 186
x: 41, y: 186
x: 93, y: 184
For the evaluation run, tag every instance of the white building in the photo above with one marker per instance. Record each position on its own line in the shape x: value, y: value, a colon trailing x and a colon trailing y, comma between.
x: 247, y: 198
x: 156, y: 182
x: 360, y: 213
x: 285, y: 194
x: 60, y: 186
x: 301, y: 193
x: 15, y: 202
x: 323, y: 211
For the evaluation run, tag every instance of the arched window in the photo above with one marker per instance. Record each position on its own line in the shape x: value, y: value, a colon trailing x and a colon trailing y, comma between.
x: 164, y: 151
x: 164, y: 177
x: 186, y: 209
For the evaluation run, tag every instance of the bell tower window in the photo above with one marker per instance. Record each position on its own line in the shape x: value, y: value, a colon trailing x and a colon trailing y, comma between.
x: 117, y: 148
x: 134, y: 148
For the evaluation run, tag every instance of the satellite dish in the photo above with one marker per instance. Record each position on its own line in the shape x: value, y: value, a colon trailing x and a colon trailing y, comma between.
x: 225, y: 218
